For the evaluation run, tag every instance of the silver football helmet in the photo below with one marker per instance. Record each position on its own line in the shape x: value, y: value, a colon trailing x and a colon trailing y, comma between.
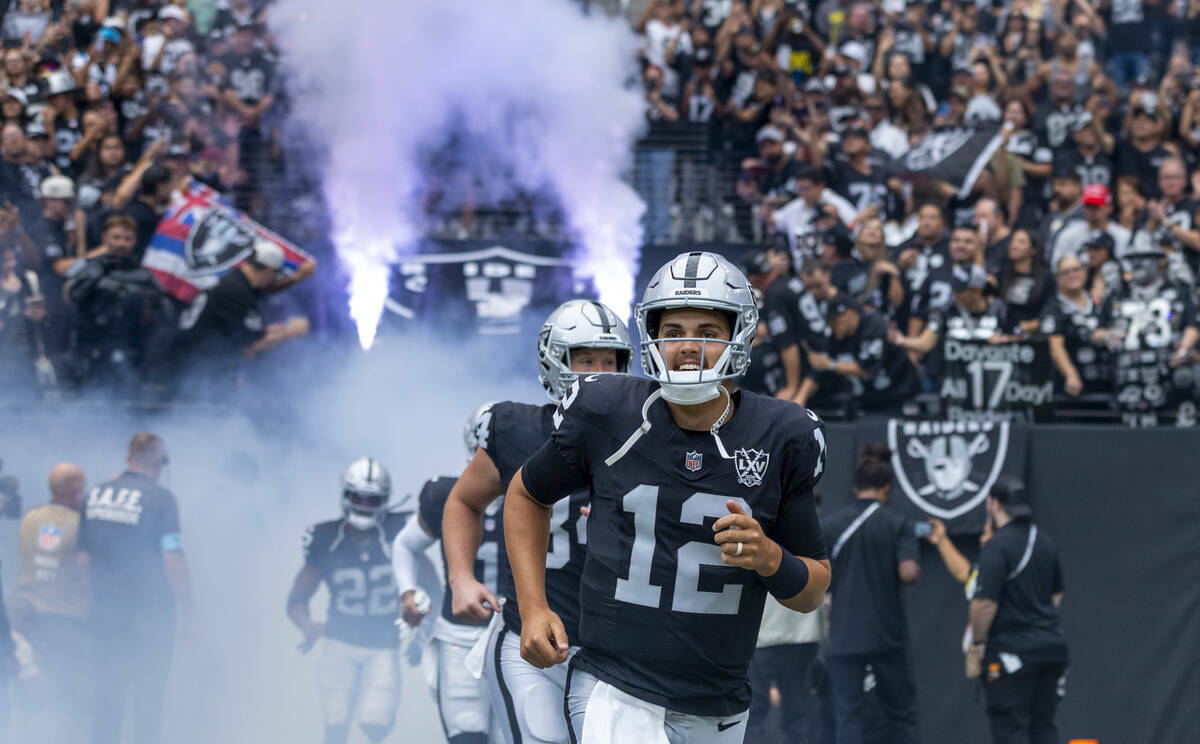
x: 476, y: 428
x: 706, y: 281
x: 366, y: 488
x: 577, y: 324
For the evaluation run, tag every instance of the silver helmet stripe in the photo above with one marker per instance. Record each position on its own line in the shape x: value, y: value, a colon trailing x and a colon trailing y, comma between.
x: 606, y: 326
x: 690, y: 271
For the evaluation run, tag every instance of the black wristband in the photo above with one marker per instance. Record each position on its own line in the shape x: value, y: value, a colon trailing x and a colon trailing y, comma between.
x: 789, y: 580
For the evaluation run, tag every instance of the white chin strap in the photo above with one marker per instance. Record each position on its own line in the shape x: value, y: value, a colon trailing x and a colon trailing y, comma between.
x: 689, y: 387
x: 645, y: 427
x: 360, y: 521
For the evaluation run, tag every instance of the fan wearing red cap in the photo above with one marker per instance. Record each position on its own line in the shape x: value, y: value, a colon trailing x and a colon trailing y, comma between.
x: 1096, y: 195
x: 1097, y: 208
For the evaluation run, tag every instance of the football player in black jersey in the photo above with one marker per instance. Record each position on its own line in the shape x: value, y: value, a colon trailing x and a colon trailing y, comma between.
x: 359, y: 659
x: 466, y: 711
x: 579, y: 337
x: 694, y: 517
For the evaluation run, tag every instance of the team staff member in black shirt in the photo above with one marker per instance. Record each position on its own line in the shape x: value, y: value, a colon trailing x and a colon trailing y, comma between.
x: 130, y: 540
x: 873, y: 551
x: 1014, y: 619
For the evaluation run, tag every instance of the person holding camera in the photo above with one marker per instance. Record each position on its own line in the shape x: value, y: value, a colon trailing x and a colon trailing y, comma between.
x: 119, y: 306
x: 1018, y: 645
x: 873, y: 552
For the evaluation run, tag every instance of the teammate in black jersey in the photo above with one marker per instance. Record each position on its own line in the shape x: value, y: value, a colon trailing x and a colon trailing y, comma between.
x: 694, y: 517
x: 466, y: 710
x: 359, y: 660
x: 579, y: 337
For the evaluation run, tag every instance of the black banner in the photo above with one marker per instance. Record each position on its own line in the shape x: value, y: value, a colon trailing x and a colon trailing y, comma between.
x: 1148, y: 391
x: 956, y: 155
x: 1009, y: 381
x: 944, y: 469
x: 491, y: 288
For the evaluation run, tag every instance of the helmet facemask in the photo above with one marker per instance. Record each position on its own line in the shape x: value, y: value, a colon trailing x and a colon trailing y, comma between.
x: 363, y: 511
x: 692, y: 387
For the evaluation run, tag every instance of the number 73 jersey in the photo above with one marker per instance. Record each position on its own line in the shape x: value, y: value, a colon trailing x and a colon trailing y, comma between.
x: 663, y: 618
x: 363, y: 602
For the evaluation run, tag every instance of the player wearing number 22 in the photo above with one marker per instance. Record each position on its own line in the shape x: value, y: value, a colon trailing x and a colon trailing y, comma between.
x: 701, y: 505
x: 351, y: 555
x: 579, y: 337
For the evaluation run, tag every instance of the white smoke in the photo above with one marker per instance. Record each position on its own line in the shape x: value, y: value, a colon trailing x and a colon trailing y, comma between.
x: 247, y: 484
x: 536, y: 96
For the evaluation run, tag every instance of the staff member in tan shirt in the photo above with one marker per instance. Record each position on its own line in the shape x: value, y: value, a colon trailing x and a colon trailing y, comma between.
x: 51, y: 605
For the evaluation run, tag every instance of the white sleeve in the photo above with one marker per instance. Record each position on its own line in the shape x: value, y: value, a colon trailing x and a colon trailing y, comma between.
x: 407, y: 549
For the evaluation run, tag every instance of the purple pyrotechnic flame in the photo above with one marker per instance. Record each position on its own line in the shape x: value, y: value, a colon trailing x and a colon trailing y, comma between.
x: 540, y: 90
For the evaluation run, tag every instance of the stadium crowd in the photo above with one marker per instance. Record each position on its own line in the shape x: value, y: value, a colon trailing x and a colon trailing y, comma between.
x: 109, y: 109
x: 824, y: 128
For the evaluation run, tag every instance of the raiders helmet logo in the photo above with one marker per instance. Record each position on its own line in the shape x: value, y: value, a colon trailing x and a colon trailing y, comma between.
x: 947, y: 467
x: 218, y: 241
x: 751, y: 466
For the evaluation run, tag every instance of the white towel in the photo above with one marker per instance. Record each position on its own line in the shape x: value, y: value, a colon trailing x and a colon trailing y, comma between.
x: 474, y: 660
x: 613, y: 717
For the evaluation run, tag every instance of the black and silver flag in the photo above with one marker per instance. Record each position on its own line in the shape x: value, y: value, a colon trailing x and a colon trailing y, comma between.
x: 956, y: 155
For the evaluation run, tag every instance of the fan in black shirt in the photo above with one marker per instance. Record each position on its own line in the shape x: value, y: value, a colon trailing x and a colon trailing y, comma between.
x: 227, y: 321
x: 1068, y: 321
x: 1087, y: 157
x: 879, y: 373
x: 767, y: 272
x: 1143, y: 154
x: 1023, y: 281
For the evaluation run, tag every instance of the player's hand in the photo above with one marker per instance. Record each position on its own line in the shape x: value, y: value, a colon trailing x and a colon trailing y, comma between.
x: 543, y: 638
x: 758, y: 552
x: 472, y: 601
x: 409, y: 611
x: 312, y: 633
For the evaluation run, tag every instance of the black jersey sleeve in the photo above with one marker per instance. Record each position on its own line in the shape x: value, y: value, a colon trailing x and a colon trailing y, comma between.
x: 798, y: 529
x: 432, y: 502
x: 562, y: 465
x: 314, y: 544
x: 515, y: 431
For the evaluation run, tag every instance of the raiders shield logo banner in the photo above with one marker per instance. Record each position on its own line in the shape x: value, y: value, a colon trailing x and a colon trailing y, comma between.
x: 201, y: 237
x: 498, y: 290
x: 956, y: 155
x: 944, y: 469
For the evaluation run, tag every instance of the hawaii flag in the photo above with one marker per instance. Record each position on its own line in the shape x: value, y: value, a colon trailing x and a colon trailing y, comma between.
x: 201, y: 237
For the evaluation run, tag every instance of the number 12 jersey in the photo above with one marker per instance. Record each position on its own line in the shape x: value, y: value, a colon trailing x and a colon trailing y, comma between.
x: 663, y: 619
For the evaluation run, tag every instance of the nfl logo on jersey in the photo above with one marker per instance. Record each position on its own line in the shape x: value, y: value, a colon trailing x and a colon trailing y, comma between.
x: 49, y: 537
x: 693, y: 461
x: 751, y: 466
